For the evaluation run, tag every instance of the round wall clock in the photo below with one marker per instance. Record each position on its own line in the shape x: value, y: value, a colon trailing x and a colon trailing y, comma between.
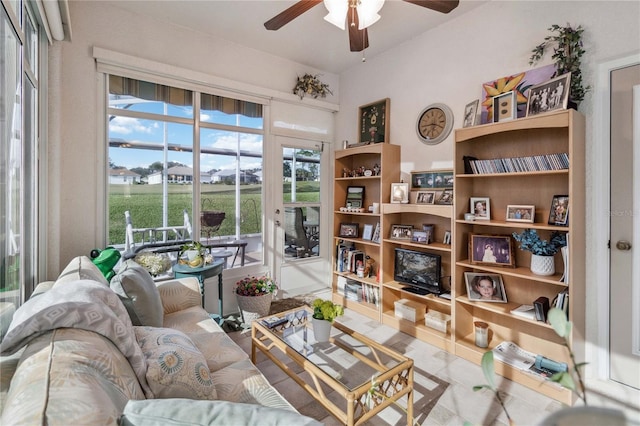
x: 434, y: 124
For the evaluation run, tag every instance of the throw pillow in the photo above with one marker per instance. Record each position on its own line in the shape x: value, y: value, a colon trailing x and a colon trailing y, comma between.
x: 81, y: 268
x: 139, y: 293
x: 175, y: 366
x: 183, y: 412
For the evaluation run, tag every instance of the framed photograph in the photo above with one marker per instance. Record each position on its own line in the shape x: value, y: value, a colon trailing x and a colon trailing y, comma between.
x: 355, y: 196
x: 401, y: 232
x: 559, y: 213
x: 420, y: 237
x: 376, y: 233
x: 348, y: 230
x: 399, y: 192
x: 549, y: 96
x: 367, y: 231
x: 447, y: 238
x: 445, y: 197
x: 483, y: 287
x: 429, y: 180
x: 430, y: 229
x: 505, y: 107
x: 480, y: 208
x: 520, y: 213
x: 494, y: 250
x: 470, y: 114
x: 426, y: 197
x: 373, y: 122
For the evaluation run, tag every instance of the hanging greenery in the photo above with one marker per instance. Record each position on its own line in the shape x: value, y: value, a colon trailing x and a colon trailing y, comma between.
x: 311, y: 85
x: 567, y: 54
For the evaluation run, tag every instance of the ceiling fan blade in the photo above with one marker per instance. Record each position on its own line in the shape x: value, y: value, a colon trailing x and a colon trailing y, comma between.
x: 358, y: 39
x: 289, y: 14
x: 444, y: 6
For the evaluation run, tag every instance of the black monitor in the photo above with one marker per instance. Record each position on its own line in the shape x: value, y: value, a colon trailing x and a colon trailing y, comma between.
x: 420, y: 270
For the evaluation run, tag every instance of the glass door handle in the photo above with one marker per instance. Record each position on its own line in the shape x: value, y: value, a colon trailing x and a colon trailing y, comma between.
x: 623, y: 245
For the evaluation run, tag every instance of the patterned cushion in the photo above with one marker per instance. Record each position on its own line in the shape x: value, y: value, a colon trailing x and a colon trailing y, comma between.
x: 81, y: 268
x: 175, y: 367
x: 139, y: 294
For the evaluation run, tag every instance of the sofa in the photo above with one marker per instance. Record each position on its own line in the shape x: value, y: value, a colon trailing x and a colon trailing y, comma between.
x: 84, y: 351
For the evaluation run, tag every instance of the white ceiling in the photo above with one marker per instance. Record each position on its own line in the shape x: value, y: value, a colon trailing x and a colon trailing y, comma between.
x: 308, y: 39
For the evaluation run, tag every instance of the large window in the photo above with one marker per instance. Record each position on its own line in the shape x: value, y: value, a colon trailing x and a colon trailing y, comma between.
x: 19, y: 106
x: 182, y: 162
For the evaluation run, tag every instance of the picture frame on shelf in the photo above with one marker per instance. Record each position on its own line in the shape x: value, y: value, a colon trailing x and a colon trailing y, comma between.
x: 348, y: 230
x: 480, y: 207
x: 437, y: 179
x: 355, y: 196
x: 367, y: 231
x: 418, y: 236
x: 399, y: 193
x: 376, y: 233
x: 445, y: 197
x: 483, y: 287
x: 494, y: 250
x: 373, y: 122
x: 505, y: 107
x: 426, y: 197
x: 549, y: 96
x: 559, y: 211
x: 401, y: 232
x: 429, y: 228
x: 470, y: 114
x: 520, y: 213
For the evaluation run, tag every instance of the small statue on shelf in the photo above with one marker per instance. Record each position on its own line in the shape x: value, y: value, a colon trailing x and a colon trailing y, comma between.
x: 376, y: 170
x: 369, y: 267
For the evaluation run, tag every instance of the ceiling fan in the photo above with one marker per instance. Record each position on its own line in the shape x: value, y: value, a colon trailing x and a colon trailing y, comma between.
x: 358, y: 37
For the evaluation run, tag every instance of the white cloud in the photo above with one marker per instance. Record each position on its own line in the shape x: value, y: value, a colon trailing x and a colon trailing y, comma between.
x: 128, y: 125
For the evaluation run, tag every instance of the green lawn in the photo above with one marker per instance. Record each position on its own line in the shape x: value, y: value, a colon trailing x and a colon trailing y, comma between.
x: 144, y: 202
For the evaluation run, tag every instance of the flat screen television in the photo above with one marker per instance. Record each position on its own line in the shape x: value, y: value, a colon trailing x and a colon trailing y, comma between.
x: 420, y: 270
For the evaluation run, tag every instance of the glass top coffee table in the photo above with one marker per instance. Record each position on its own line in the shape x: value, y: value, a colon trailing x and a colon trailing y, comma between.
x: 368, y: 376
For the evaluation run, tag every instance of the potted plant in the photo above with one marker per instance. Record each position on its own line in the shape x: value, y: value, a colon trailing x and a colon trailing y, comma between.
x: 567, y: 53
x: 254, y: 295
x: 193, y: 254
x: 311, y: 85
x: 542, y: 251
x: 324, y: 313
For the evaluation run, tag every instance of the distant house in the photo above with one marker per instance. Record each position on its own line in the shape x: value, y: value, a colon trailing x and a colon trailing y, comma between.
x: 176, y: 174
x: 229, y: 176
x: 123, y: 176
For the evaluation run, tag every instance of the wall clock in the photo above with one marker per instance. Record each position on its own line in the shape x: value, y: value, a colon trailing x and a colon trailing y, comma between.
x: 434, y: 124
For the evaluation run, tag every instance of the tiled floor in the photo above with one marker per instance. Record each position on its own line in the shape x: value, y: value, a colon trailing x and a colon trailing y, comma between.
x: 443, y: 385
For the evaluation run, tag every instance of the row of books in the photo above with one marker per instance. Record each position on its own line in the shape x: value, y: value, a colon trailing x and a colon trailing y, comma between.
x: 362, y: 292
x: 347, y: 258
x: 561, y: 301
x: 532, y: 163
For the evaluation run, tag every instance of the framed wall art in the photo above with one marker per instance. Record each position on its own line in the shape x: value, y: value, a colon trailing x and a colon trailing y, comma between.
x: 496, y: 250
x: 520, y: 213
x: 348, y: 230
x: 445, y: 197
x: 401, y: 232
x: 470, y: 114
x: 559, y: 212
x: 440, y: 179
x: 426, y: 197
x: 355, y: 196
x: 420, y: 237
x: 505, y: 107
x: 549, y: 96
x: 376, y: 233
x: 367, y: 231
x: 373, y: 122
x: 480, y: 207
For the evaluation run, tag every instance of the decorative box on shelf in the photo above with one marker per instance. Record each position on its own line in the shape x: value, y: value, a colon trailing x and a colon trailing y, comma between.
x: 409, y: 310
x: 437, y: 320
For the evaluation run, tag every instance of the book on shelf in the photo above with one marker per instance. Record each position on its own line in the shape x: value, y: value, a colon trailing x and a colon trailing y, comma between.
x: 513, y: 355
x: 534, y: 163
x: 525, y: 311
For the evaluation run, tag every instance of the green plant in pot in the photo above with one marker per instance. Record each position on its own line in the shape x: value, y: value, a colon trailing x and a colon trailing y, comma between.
x: 542, y: 251
x: 567, y: 46
x: 324, y: 313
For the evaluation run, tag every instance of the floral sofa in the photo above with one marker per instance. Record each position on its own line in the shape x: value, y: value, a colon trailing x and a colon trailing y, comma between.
x: 83, y: 351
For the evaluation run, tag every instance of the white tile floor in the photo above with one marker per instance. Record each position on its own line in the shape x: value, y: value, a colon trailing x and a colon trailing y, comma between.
x: 443, y: 385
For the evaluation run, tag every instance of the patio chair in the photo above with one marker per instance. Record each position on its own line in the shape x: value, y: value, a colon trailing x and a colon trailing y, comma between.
x: 294, y: 231
x: 150, y: 235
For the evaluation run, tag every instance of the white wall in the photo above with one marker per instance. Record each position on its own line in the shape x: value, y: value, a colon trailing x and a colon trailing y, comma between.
x: 76, y: 151
x: 449, y: 64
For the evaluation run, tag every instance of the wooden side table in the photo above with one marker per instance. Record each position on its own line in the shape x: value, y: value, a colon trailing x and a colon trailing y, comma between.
x: 202, y: 273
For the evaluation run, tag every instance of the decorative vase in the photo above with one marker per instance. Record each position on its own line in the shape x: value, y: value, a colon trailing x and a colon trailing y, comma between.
x: 191, y: 254
x: 254, y: 307
x: 321, y: 330
x: 543, y: 265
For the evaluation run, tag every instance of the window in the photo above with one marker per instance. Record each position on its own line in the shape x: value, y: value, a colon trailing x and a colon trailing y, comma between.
x: 160, y: 166
x: 20, y: 41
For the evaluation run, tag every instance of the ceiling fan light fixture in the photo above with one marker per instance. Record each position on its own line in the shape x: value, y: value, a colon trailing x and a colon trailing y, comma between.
x: 337, y: 12
x: 368, y: 12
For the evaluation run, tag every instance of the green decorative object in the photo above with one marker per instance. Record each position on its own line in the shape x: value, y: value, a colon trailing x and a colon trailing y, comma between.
x: 326, y: 310
x: 566, y: 43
